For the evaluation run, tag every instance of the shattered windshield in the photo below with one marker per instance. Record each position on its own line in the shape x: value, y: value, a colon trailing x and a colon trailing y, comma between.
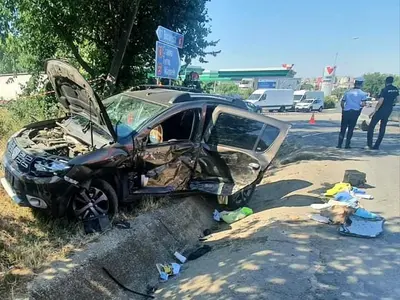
x: 254, y: 97
x: 130, y: 111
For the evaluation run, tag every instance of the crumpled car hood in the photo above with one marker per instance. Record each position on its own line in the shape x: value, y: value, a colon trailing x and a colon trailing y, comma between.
x: 75, y: 94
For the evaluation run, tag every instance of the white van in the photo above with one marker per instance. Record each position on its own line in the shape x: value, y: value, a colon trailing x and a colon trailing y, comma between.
x: 272, y: 99
x: 309, y: 105
x: 304, y: 94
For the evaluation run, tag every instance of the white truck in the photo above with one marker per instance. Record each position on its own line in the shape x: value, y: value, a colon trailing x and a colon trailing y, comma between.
x: 272, y: 99
x: 304, y: 94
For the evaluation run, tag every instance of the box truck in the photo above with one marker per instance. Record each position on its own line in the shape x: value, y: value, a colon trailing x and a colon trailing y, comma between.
x: 272, y: 99
x: 304, y: 94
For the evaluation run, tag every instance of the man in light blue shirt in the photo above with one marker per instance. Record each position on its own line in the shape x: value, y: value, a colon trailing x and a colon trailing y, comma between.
x: 352, y: 103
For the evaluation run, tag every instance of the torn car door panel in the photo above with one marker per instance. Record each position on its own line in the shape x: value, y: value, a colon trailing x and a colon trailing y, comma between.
x: 238, y: 147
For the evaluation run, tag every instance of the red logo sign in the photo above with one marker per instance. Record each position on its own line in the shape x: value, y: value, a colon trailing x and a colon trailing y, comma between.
x: 330, y: 70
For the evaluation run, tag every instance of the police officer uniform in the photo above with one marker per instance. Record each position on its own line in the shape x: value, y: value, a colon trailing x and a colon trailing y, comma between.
x: 386, y: 100
x: 352, y: 102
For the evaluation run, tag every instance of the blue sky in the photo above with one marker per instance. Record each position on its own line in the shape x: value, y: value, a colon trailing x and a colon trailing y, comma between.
x: 308, y: 33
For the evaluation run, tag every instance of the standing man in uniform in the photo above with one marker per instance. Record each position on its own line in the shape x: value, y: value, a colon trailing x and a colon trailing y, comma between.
x: 382, y: 111
x: 352, y: 102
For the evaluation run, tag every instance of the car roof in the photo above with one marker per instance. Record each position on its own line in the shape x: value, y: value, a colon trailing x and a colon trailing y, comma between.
x: 168, y: 96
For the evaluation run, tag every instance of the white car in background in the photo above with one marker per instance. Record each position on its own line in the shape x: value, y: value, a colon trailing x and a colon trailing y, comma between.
x: 310, y: 105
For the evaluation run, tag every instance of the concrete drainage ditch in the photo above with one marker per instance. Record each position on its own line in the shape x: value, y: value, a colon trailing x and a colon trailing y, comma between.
x: 130, y: 255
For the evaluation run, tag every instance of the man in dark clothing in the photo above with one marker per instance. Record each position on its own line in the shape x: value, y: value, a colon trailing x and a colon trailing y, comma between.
x: 382, y: 111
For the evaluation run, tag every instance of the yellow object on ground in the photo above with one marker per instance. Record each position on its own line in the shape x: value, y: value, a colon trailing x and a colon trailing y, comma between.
x: 339, y: 187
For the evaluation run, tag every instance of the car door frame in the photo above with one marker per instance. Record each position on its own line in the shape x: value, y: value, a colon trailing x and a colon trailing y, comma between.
x: 265, y: 157
x: 195, y: 139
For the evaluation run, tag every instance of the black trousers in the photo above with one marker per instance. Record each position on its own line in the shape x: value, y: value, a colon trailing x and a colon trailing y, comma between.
x: 349, y: 121
x: 378, y: 116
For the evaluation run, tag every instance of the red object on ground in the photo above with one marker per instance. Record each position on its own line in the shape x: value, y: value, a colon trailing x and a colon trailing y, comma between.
x: 312, y: 120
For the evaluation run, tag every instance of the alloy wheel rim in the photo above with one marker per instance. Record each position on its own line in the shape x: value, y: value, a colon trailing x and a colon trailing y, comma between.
x: 90, y: 203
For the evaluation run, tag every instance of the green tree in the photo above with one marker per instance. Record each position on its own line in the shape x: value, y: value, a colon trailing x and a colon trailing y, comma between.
x: 307, y: 86
x: 339, y: 92
x: 374, y: 82
x: 87, y: 33
x: 330, y: 102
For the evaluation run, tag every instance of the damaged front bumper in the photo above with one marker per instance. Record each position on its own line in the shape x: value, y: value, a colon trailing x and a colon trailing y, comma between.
x: 47, y: 193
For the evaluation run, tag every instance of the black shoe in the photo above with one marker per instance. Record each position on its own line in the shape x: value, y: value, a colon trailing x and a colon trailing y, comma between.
x: 339, y: 146
x: 375, y: 148
x: 347, y: 147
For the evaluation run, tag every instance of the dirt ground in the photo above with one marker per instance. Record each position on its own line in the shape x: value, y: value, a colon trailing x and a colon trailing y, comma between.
x: 279, y: 253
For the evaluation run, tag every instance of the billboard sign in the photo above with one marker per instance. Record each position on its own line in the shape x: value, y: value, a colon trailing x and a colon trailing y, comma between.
x: 266, y: 84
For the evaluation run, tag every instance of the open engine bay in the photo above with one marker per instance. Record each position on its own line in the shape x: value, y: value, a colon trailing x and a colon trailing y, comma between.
x: 52, y: 140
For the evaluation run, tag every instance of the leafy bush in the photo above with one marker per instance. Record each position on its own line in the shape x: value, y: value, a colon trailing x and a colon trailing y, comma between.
x: 330, y: 102
x: 18, y: 113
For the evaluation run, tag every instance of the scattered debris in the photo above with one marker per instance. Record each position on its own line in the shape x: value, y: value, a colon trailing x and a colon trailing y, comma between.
x: 206, y: 235
x: 355, y: 178
x: 344, y: 208
x: 207, y: 232
x: 180, y: 257
x: 320, y: 218
x: 216, y: 215
x: 361, y: 227
x: 199, y: 252
x: 363, y: 213
x: 124, y: 287
x: 338, y: 187
x: 96, y: 224
x: 166, y: 270
x: 232, y: 216
x: 337, y: 214
x: 150, y: 289
x: 319, y: 206
x: 122, y: 224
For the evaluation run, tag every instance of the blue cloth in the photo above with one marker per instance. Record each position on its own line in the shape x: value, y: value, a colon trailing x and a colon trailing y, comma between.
x: 358, y: 191
x: 353, y: 99
x: 363, y: 213
x: 347, y: 198
x: 343, y: 196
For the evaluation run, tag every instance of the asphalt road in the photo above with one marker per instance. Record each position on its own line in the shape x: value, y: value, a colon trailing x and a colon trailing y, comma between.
x: 279, y: 253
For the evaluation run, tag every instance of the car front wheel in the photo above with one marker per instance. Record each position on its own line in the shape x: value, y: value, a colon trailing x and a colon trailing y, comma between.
x: 99, y: 199
x: 242, y: 197
x: 320, y: 109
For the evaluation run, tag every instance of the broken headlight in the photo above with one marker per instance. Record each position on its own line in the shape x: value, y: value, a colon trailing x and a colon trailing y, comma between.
x: 50, y: 167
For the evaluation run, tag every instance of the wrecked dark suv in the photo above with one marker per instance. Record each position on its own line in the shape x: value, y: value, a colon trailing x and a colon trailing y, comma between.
x: 150, y: 141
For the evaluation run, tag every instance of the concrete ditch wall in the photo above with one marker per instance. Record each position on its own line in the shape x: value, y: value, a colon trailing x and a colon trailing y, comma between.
x: 129, y: 254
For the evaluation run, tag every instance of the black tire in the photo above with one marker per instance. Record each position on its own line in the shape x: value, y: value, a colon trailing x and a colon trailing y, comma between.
x: 103, y: 199
x: 241, y: 198
x: 320, y: 109
x: 282, y: 109
x: 309, y: 110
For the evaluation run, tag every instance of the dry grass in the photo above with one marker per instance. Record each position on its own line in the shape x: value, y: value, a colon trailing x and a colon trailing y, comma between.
x: 28, y: 241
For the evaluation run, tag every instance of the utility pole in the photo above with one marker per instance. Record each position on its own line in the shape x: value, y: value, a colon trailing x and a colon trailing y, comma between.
x: 121, y: 48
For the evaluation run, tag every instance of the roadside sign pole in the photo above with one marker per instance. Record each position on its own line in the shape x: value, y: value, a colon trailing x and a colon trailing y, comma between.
x: 168, y: 61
